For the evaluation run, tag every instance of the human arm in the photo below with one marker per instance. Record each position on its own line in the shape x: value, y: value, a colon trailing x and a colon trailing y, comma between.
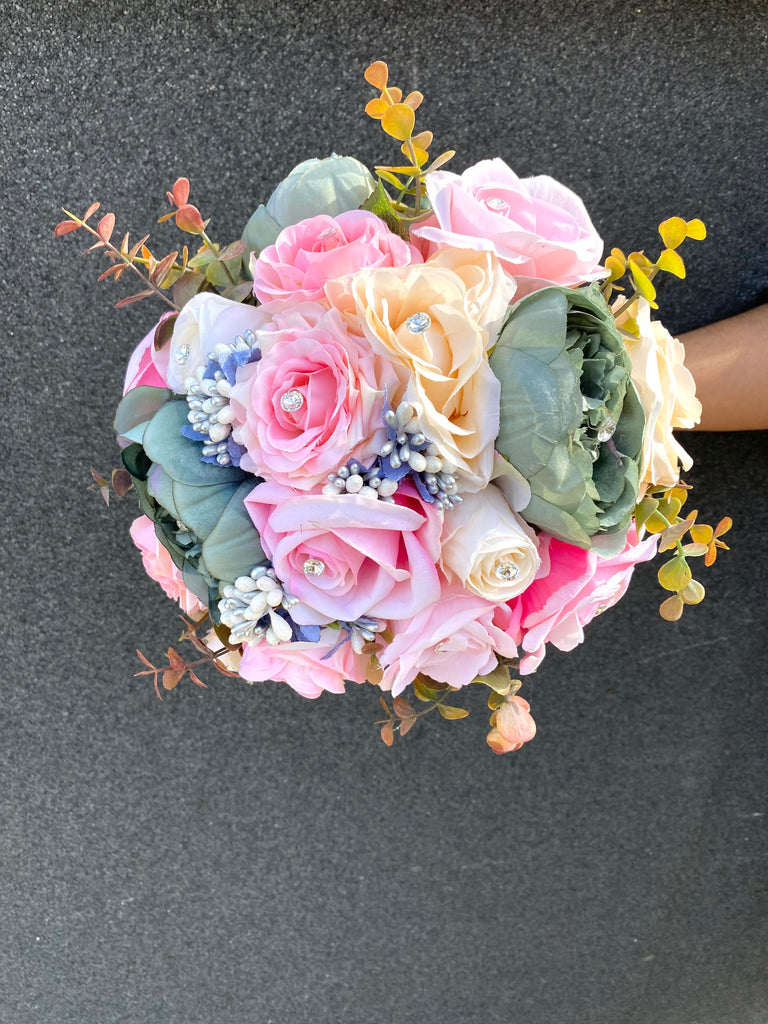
x: 729, y: 362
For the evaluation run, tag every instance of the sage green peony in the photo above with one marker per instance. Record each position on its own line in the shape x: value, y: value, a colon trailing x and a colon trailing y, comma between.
x: 330, y: 186
x: 571, y: 420
x: 197, y: 507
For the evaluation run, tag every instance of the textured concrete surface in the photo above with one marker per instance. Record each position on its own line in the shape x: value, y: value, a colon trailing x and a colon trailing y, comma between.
x: 236, y: 855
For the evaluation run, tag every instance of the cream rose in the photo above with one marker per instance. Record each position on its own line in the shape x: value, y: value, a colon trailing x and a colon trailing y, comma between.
x: 422, y: 319
x: 668, y: 393
x: 489, y: 290
x: 488, y: 547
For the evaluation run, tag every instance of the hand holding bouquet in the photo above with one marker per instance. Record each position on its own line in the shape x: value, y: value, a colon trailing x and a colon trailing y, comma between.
x: 408, y: 431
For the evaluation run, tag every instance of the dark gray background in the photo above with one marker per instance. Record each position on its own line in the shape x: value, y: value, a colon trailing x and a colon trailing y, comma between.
x: 236, y: 854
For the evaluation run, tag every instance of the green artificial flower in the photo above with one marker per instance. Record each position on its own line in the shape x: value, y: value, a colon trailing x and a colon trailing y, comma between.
x: 331, y: 186
x: 571, y: 420
x: 197, y: 507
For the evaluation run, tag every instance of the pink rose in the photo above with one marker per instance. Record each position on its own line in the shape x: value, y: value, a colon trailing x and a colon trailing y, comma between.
x: 159, y: 565
x: 146, y: 365
x: 304, y: 666
x: 313, y: 401
x: 308, y: 254
x: 452, y: 641
x: 538, y: 228
x: 572, y: 587
x: 344, y: 555
x: 512, y: 726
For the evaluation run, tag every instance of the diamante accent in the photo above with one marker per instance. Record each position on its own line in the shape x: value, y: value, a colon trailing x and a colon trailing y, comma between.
x: 606, y: 430
x: 507, y: 571
x: 418, y: 323
x: 496, y: 204
x: 314, y: 567
x: 291, y: 401
x: 182, y: 353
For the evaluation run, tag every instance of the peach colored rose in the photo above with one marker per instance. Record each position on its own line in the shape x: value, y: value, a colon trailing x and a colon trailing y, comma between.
x: 539, y: 229
x: 488, y: 548
x: 443, y: 369
x: 452, y: 641
x: 313, y: 401
x: 307, y: 667
x: 668, y: 393
x: 159, y: 565
x: 345, y: 556
x: 320, y: 249
x: 512, y: 726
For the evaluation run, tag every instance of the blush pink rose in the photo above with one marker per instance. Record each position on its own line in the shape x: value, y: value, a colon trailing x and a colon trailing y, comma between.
x: 304, y: 666
x: 344, y: 556
x: 452, y: 641
x: 307, y: 255
x: 159, y: 565
x: 572, y: 587
x: 338, y: 385
x: 147, y: 366
x: 539, y: 229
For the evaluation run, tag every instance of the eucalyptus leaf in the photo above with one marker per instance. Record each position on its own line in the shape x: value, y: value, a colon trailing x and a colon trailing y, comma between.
x: 233, y: 547
x: 179, y: 456
x: 137, y: 408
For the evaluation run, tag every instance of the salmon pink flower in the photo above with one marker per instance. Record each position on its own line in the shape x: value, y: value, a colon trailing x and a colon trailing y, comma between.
x: 512, y: 726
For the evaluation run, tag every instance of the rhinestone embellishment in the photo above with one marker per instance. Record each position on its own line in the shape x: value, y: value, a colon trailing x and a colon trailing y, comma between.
x: 291, y: 401
x: 606, y: 430
x: 314, y: 567
x: 418, y: 323
x: 506, y: 571
x: 181, y: 355
x: 496, y: 204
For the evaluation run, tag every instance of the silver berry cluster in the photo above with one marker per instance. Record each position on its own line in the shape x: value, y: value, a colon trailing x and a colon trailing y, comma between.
x: 208, y: 398
x: 410, y: 446
x: 356, y: 479
x: 362, y: 631
x: 250, y: 608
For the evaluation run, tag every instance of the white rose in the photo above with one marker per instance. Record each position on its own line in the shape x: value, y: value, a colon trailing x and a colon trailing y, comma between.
x: 488, y: 547
x: 668, y: 393
x: 204, y: 322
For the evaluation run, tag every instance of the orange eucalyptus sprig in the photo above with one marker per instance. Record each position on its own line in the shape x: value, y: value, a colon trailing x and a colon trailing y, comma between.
x: 212, y: 268
x: 398, y: 119
x: 640, y: 271
x: 659, y: 512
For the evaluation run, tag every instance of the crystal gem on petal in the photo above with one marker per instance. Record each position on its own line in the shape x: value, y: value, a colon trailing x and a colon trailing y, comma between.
x: 507, y: 571
x: 181, y: 355
x: 606, y: 430
x: 418, y: 323
x: 314, y: 567
x: 291, y: 401
x: 496, y: 204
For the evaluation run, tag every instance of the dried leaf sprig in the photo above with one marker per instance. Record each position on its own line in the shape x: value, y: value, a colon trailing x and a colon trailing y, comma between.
x: 120, y: 483
x: 211, y: 268
x: 170, y: 675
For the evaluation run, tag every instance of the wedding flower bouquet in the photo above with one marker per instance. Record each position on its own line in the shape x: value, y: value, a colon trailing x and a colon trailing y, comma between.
x: 409, y: 430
